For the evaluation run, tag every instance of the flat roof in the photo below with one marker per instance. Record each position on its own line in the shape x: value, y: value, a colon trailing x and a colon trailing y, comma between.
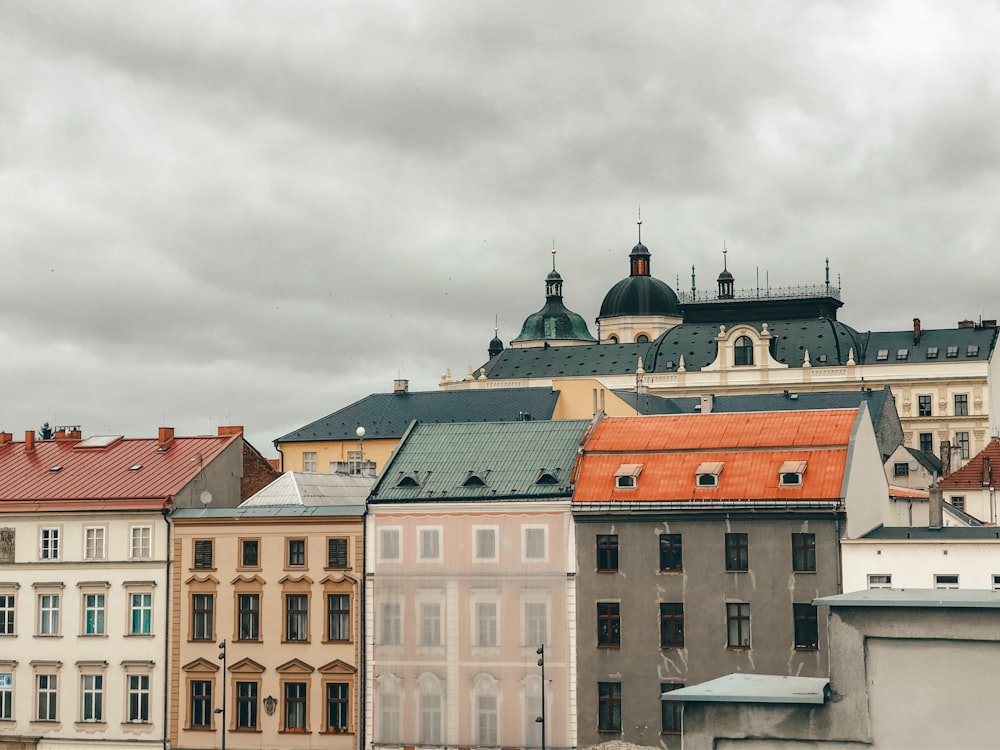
x: 942, y: 598
x: 755, y: 688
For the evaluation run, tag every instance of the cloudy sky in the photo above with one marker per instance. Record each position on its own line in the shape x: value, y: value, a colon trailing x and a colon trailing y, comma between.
x: 258, y: 212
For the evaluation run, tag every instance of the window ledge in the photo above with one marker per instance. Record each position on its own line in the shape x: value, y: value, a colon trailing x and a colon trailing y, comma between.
x: 144, y: 635
x: 85, y: 724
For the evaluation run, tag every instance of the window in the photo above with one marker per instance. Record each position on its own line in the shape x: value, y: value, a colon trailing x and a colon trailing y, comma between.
x: 93, y: 614
x: 996, y: 582
x: 138, y: 698
x: 296, y: 553
x: 202, y: 617
x: 932, y: 352
x: 972, y: 350
x: 141, y: 544
x: 923, y: 406
x: 430, y: 544
x: 671, y: 625
x: 337, y: 707
x: 246, y: 705
x: 790, y: 473
x: 92, y: 697
x: 607, y: 553
x: 486, y: 543
x: 625, y: 483
x: 534, y: 543
x: 487, y: 719
x: 951, y: 352
x: 486, y: 623
x: 961, y: 404
x: 387, y: 729
x: 355, y: 463
x: 609, y: 706
x: 670, y: 711
x: 738, y: 625
x: 6, y: 696
x: 48, y: 614
x: 806, y: 627
x: 962, y: 441
x: 671, y: 558
x: 946, y: 581
x: 430, y: 718
x: 338, y: 617
x: 430, y: 624
x: 7, y: 614
x: 391, y: 624
x: 804, y: 552
x: 642, y: 338
x: 201, y: 704
x: 249, y: 553
x: 902, y: 354
x: 204, y: 554
x: 626, y: 476
x: 46, y: 697
x: 389, y: 544
x: 49, y: 544
x: 295, y: 707
x: 879, y: 581
x: 309, y: 461
x: 93, y: 543
x: 336, y: 553
x: 609, y: 625
x: 248, y: 617
x: 882, y: 355
x: 743, y: 351
x: 958, y: 502
x: 737, y: 552
x: 140, y: 613
x: 927, y: 442
x: 296, y: 617
x: 901, y: 469
x: 536, y: 623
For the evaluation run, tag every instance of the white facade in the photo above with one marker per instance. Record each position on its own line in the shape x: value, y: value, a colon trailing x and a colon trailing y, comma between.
x: 956, y: 559
x: 83, y: 628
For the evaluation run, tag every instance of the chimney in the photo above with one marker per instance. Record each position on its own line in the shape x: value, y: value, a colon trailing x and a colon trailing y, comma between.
x: 231, y: 430
x: 945, y: 458
x: 916, y: 331
x: 706, y: 404
x: 166, y: 437
x: 5, y: 437
x: 935, y: 513
x: 29, y: 440
x: 987, y: 472
x: 966, y: 324
x: 400, y: 386
x: 68, y: 433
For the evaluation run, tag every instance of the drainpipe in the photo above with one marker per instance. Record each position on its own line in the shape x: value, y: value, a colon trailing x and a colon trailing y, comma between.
x: 166, y: 633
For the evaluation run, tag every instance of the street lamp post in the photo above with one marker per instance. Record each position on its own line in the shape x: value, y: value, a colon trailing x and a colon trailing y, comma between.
x: 539, y: 719
x: 225, y: 677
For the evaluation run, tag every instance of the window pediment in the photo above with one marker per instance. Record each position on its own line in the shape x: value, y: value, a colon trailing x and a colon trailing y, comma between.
x: 344, y: 580
x: 201, y: 665
x: 302, y: 581
x: 247, y: 666
x: 338, y: 666
x: 243, y: 582
x: 295, y: 666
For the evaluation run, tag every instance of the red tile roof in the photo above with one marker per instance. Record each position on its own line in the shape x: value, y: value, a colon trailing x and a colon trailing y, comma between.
x: 751, y: 446
x: 105, y: 473
x: 970, y: 476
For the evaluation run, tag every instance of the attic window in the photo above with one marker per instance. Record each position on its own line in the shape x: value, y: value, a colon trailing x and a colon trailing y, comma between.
x: 932, y: 352
x: 822, y: 359
x: 951, y: 352
x: 707, y: 473
x: 136, y: 467
x: 883, y: 354
x: 407, y: 480
x: 54, y: 469
x: 902, y: 354
x: 546, y: 477
x: 473, y: 480
x: 626, y: 475
x: 972, y: 351
x: 790, y: 473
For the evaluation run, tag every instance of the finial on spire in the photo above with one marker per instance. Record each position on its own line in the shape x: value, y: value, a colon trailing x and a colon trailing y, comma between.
x: 496, y: 325
x: 724, y: 251
x: 553, y: 253
x: 638, y: 222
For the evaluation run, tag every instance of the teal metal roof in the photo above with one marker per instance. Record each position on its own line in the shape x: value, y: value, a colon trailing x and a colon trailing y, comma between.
x: 482, y: 461
x: 755, y: 688
x: 936, y: 598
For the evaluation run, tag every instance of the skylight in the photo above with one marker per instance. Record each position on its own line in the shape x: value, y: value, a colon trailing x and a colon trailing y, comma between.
x: 883, y: 354
x: 952, y: 352
x: 98, y: 441
x: 972, y: 351
x: 902, y: 353
x: 932, y: 352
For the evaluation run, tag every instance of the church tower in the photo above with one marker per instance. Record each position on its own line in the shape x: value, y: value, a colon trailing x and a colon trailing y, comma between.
x: 554, y: 324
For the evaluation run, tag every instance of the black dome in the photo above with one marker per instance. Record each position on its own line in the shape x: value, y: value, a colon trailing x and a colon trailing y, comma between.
x: 640, y: 295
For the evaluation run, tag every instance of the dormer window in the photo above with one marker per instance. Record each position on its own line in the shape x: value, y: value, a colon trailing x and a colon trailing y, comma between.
x: 546, y: 477
x: 474, y: 480
x: 407, y: 480
x: 707, y: 473
x: 743, y: 351
x: 972, y: 351
x: 932, y: 352
x: 902, y: 353
x: 882, y: 355
x: 790, y: 473
x: 626, y: 476
x: 951, y: 352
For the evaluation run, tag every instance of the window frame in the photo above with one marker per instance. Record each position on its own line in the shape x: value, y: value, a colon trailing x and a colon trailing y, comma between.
x: 140, y: 542
x: 248, y: 617
x: 48, y: 543
x: 609, y: 625
x: 341, y: 704
x: 49, y: 614
x: 6, y: 691
x: 737, y: 551
x: 805, y: 627
x: 946, y: 581
x: 431, y: 536
x: 200, y: 550
x: 296, y: 553
x: 671, y: 712
x: 144, y: 608
x: 668, y: 544
x: 288, y: 702
x: 527, y: 545
x: 671, y: 625
x: 341, y: 615
x: 310, y: 461
x: 609, y: 707
x: 92, y: 697
x: 879, y: 580
x: 738, y: 626
x: 99, y: 610
x: 390, y: 621
x: 961, y: 402
x: 901, y: 469
x: 963, y: 444
x: 607, y: 553
x: 138, y: 697
x: 925, y: 406
x: 199, y: 704
x: 334, y: 552
x: 395, y: 548
x: 50, y: 678
x: 957, y: 502
x: 95, y: 543
x: 202, y: 616
x: 494, y: 533
x: 803, y: 552
x: 925, y: 441
x: 8, y: 611
x: 246, y: 706
x: 743, y: 351
x: 296, y: 620
x: 245, y: 545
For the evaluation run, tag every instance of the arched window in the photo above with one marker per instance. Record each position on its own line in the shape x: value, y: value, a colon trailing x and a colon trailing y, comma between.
x: 642, y: 339
x: 388, y: 709
x: 613, y: 339
x: 431, y: 709
x: 743, y: 351
x: 486, y: 710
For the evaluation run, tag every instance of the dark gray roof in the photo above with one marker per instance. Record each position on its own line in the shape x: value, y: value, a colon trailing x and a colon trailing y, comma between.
x: 934, y: 598
x: 926, y: 459
x: 933, y: 533
x: 640, y: 295
x: 788, y: 401
x: 387, y: 415
x: 566, y: 361
x: 891, y: 343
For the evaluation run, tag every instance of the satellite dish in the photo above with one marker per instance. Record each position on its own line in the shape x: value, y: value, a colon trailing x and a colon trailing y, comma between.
x: 360, y: 432
x: 206, y: 497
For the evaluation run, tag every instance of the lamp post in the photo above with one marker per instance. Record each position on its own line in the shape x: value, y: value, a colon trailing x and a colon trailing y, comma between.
x: 225, y: 677
x: 360, y: 432
x: 539, y: 719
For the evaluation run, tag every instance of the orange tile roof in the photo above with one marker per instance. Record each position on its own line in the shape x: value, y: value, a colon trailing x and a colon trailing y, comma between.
x: 101, y: 475
x: 970, y: 476
x: 752, y: 448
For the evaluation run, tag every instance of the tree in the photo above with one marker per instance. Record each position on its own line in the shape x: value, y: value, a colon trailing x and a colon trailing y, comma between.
x: 45, y: 432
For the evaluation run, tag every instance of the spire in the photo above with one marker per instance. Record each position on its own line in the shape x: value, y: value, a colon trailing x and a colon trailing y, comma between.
x: 639, y: 257
x: 553, y: 282
x: 496, y: 345
x: 726, y: 280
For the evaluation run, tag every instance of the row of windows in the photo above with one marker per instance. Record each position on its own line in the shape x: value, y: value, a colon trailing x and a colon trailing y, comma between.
x: 737, y: 552
x: 356, y: 465
x: 295, y: 622
x: 940, y: 580
x: 95, y: 543
x: 94, y: 608
x: 609, y: 626
x: 485, y: 544
x: 485, y: 625
x: 926, y: 444
x: 92, y: 703
x: 609, y: 708
x: 295, y: 556
x: 933, y: 352
x: 707, y: 474
x: 925, y: 405
x: 295, y: 699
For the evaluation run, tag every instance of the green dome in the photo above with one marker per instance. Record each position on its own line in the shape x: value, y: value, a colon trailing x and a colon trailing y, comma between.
x: 554, y: 322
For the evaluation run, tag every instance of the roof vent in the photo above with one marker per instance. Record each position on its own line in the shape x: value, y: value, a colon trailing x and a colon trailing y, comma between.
x: 400, y: 386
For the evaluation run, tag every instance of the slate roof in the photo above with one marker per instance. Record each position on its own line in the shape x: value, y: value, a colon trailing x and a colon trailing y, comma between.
x: 752, y: 447
x: 984, y: 339
x: 934, y: 533
x: 387, y: 415
x: 122, y: 469
x: 970, y: 476
x: 789, y: 401
x: 312, y: 488
x: 482, y: 461
x: 926, y: 459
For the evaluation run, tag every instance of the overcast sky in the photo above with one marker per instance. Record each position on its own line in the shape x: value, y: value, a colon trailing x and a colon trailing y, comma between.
x: 258, y: 212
